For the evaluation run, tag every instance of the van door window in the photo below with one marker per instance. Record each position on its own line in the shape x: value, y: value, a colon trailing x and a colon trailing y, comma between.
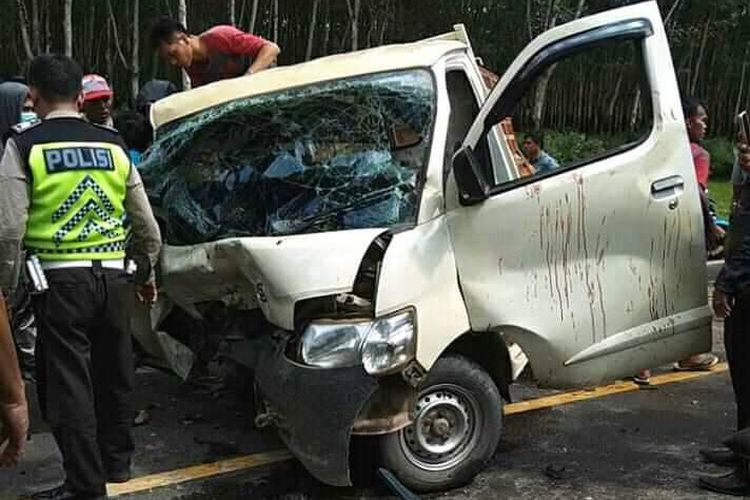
x: 589, y: 106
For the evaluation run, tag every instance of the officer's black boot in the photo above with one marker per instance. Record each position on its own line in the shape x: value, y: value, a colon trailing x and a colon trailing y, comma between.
x: 720, y: 456
x: 63, y: 492
x: 736, y: 482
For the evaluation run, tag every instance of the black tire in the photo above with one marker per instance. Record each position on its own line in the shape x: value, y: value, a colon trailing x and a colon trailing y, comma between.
x: 455, y: 388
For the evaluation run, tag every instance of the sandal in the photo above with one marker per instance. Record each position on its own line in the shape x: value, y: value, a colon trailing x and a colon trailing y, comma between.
x: 642, y: 378
x: 699, y: 363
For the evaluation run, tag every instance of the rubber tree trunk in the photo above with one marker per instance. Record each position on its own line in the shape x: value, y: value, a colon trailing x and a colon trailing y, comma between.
x: 23, y: 23
x: 36, y: 32
x: 354, y: 10
x: 253, y: 16
x: 540, y: 93
x: 109, y: 57
x: 68, y: 27
x: 701, y: 53
x: 47, y: 31
x: 135, y: 64
x: 182, y: 15
x: 311, y: 30
x: 326, y: 31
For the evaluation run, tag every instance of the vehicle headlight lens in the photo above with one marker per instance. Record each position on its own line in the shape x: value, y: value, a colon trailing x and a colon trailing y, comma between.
x: 332, y: 345
x: 383, y: 345
x: 389, y: 344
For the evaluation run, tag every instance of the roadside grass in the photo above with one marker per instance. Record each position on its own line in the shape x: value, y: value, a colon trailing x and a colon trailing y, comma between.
x: 720, y: 190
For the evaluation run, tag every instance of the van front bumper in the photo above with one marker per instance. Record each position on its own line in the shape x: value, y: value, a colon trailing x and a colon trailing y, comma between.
x: 313, y: 408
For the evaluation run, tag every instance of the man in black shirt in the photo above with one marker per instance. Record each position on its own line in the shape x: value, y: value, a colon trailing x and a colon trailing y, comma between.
x: 731, y: 302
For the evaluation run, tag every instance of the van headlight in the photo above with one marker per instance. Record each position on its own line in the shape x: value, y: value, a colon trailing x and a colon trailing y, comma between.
x: 382, y: 346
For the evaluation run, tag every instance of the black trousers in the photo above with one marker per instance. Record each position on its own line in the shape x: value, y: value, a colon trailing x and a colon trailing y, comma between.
x: 85, y: 372
x: 737, y: 344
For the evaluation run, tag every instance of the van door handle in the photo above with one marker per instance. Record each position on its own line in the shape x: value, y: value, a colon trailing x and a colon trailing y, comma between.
x: 668, y: 187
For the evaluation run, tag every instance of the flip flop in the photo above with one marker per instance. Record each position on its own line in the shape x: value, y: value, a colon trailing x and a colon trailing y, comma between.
x: 710, y: 360
x: 641, y: 380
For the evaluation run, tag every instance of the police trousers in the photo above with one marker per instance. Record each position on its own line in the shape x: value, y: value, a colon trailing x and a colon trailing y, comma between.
x: 85, y: 372
x: 737, y: 344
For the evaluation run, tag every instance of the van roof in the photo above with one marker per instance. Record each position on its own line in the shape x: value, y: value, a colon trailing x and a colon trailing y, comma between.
x: 422, y: 54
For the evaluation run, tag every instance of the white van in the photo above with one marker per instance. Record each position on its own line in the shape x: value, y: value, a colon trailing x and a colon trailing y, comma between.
x: 381, y: 226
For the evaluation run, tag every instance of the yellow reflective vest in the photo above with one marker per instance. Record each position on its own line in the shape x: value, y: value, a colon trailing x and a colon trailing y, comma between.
x: 78, y: 174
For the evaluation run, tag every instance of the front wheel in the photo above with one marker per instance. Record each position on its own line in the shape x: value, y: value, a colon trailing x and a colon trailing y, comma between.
x: 456, y: 428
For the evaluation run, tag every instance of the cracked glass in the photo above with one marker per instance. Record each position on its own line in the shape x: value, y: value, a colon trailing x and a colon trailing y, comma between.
x: 339, y: 155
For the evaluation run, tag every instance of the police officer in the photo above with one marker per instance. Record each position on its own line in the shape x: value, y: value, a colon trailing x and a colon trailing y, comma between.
x: 731, y: 302
x: 66, y: 187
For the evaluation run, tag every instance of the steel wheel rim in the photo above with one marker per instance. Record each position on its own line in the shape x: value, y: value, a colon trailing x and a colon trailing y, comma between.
x: 445, y: 429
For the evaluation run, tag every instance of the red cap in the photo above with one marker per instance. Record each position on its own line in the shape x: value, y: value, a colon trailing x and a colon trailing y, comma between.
x: 95, y: 87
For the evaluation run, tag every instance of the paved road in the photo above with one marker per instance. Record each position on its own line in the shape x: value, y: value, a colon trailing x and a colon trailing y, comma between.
x: 641, y: 444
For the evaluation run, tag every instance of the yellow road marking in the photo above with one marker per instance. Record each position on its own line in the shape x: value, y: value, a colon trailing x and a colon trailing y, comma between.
x: 607, y: 390
x: 202, y: 471
x: 248, y: 462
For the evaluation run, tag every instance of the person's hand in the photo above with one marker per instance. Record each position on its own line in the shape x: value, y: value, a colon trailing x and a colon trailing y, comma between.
x: 15, y: 426
x: 715, y: 237
x: 718, y: 233
x: 721, y: 304
x: 148, y: 293
x: 744, y: 156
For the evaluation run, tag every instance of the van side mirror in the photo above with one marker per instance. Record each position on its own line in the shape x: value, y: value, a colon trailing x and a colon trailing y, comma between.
x: 472, y: 185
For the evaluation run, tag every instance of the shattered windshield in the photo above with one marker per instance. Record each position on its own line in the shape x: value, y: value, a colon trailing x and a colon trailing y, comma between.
x: 346, y: 154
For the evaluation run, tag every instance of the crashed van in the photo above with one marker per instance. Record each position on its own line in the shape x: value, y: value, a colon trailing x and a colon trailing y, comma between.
x: 366, y: 220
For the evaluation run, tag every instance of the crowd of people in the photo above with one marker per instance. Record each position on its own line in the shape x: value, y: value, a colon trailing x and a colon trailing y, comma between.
x: 67, y: 184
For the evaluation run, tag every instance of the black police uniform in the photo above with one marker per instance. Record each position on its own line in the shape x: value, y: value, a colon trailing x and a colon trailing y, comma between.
x: 84, y: 355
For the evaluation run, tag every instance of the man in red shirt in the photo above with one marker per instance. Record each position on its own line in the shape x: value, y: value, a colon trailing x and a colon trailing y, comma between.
x: 696, y: 121
x: 219, y: 53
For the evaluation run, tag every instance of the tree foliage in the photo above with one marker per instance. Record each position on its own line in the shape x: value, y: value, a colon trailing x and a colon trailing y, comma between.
x: 710, y: 40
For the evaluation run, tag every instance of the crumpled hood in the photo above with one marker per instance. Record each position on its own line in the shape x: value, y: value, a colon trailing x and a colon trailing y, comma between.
x: 272, y: 273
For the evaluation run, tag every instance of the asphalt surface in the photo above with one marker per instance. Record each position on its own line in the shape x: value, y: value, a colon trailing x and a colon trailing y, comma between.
x: 642, y: 444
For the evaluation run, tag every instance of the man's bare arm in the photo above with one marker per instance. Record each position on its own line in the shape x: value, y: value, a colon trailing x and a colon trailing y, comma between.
x: 14, y: 415
x: 265, y: 58
x: 146, y: 237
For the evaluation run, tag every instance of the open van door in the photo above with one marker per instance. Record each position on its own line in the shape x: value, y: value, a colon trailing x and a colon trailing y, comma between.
x: 596, y: 267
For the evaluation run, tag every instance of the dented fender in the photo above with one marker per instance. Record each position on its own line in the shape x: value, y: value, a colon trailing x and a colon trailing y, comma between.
x: 270, y: 273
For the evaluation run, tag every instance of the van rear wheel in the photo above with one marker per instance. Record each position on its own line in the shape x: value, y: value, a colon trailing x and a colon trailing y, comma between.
x: 457, y: 426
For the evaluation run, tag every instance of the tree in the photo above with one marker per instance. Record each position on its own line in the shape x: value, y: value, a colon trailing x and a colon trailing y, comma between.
x: 709, y: 42
x: 276, y: 20
x: 182, y: 15
x: 36, y: 36
x: 540, y: 98
x: 68, y: 27
x: 23, y: 22
x: 354, y: 10
x: 311, y: 30
x: 253, y: 16
x: 135, y: 61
